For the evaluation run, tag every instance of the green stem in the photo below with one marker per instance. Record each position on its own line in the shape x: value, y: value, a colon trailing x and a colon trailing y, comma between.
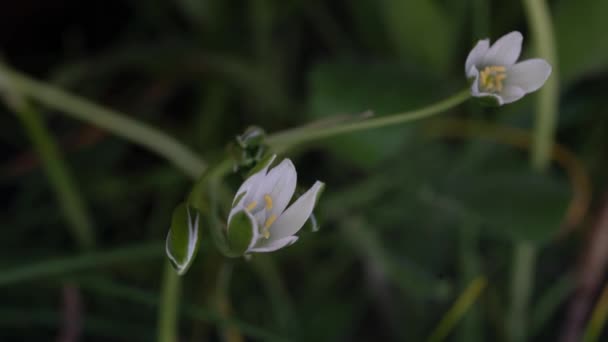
x: 169, y: 305
x: 57, y: 172
x: 62, y: 266
x: 118, y: 123
x: 286, y: 139
x: 524, y: 257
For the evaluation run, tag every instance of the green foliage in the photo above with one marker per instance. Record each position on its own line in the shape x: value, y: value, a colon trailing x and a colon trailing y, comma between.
x: 421, y: 32
x: 580, y: 30
x: 346, y: 88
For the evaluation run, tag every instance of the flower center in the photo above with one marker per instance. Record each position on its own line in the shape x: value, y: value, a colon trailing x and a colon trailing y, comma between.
x: 270, y: 219
x: 491, y: 77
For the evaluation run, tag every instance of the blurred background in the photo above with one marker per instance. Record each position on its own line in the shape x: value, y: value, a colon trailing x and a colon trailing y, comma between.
x: 419, y: 223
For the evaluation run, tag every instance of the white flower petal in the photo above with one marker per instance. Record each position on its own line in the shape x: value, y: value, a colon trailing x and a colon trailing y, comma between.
x: 280, y: 184
x: 273, y: 245
x: 249, y: 187
x: 528, y: 75
x: 296, y: 215
x: 475, y: 56
x: 505, y: 50
x: 256, y: 178
x: 511, y: 94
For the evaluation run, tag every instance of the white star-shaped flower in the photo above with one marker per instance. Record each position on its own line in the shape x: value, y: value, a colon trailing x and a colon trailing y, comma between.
x: 264, y: 197
x: 495, y: 73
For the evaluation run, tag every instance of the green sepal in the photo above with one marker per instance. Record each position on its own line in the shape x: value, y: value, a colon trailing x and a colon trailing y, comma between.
x: 240, y: 232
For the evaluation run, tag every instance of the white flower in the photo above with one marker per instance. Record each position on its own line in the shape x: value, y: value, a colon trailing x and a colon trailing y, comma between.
x: 264, y: 197
x: 495, y: 73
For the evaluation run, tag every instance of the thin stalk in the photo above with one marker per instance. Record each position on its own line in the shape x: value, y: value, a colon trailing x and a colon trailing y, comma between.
x: 57, y: 172
x: 82, y: 262
x: 524, y: 256
x: 115, y: 122
x: 286, y: 139
x: 169, y: 305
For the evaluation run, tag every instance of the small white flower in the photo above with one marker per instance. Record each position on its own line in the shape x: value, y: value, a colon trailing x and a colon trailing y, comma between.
x: 495, y: 73
x: 264, y: 197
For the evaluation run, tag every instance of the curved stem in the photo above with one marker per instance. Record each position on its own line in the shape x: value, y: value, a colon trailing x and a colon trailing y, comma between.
x: 286, y: 139
x: 115, y: 122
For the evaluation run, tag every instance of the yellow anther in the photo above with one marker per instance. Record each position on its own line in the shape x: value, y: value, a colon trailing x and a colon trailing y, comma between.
x: 251, y: 206
x: 491, y: 77
x: 268, y: 201
x: 269, y: 221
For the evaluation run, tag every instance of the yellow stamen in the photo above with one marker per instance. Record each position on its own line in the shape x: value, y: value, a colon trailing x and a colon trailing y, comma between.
x: 268, y: 201
x: 269, y: 222
x: 491, y: 78
x: 251, y: 206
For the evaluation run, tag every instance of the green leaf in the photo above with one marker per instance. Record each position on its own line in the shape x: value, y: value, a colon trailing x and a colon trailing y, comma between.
x: 183, y: 238
x: 581, y: 28
x: 240, y: 232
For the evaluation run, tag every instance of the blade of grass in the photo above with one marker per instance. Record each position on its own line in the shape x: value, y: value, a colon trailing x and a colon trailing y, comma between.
x: 470, y: 266
x: 457, y: 311
x: 82, y: 262
x: 57, y: 172
x: 548, y: 304
x: 598, y: 318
